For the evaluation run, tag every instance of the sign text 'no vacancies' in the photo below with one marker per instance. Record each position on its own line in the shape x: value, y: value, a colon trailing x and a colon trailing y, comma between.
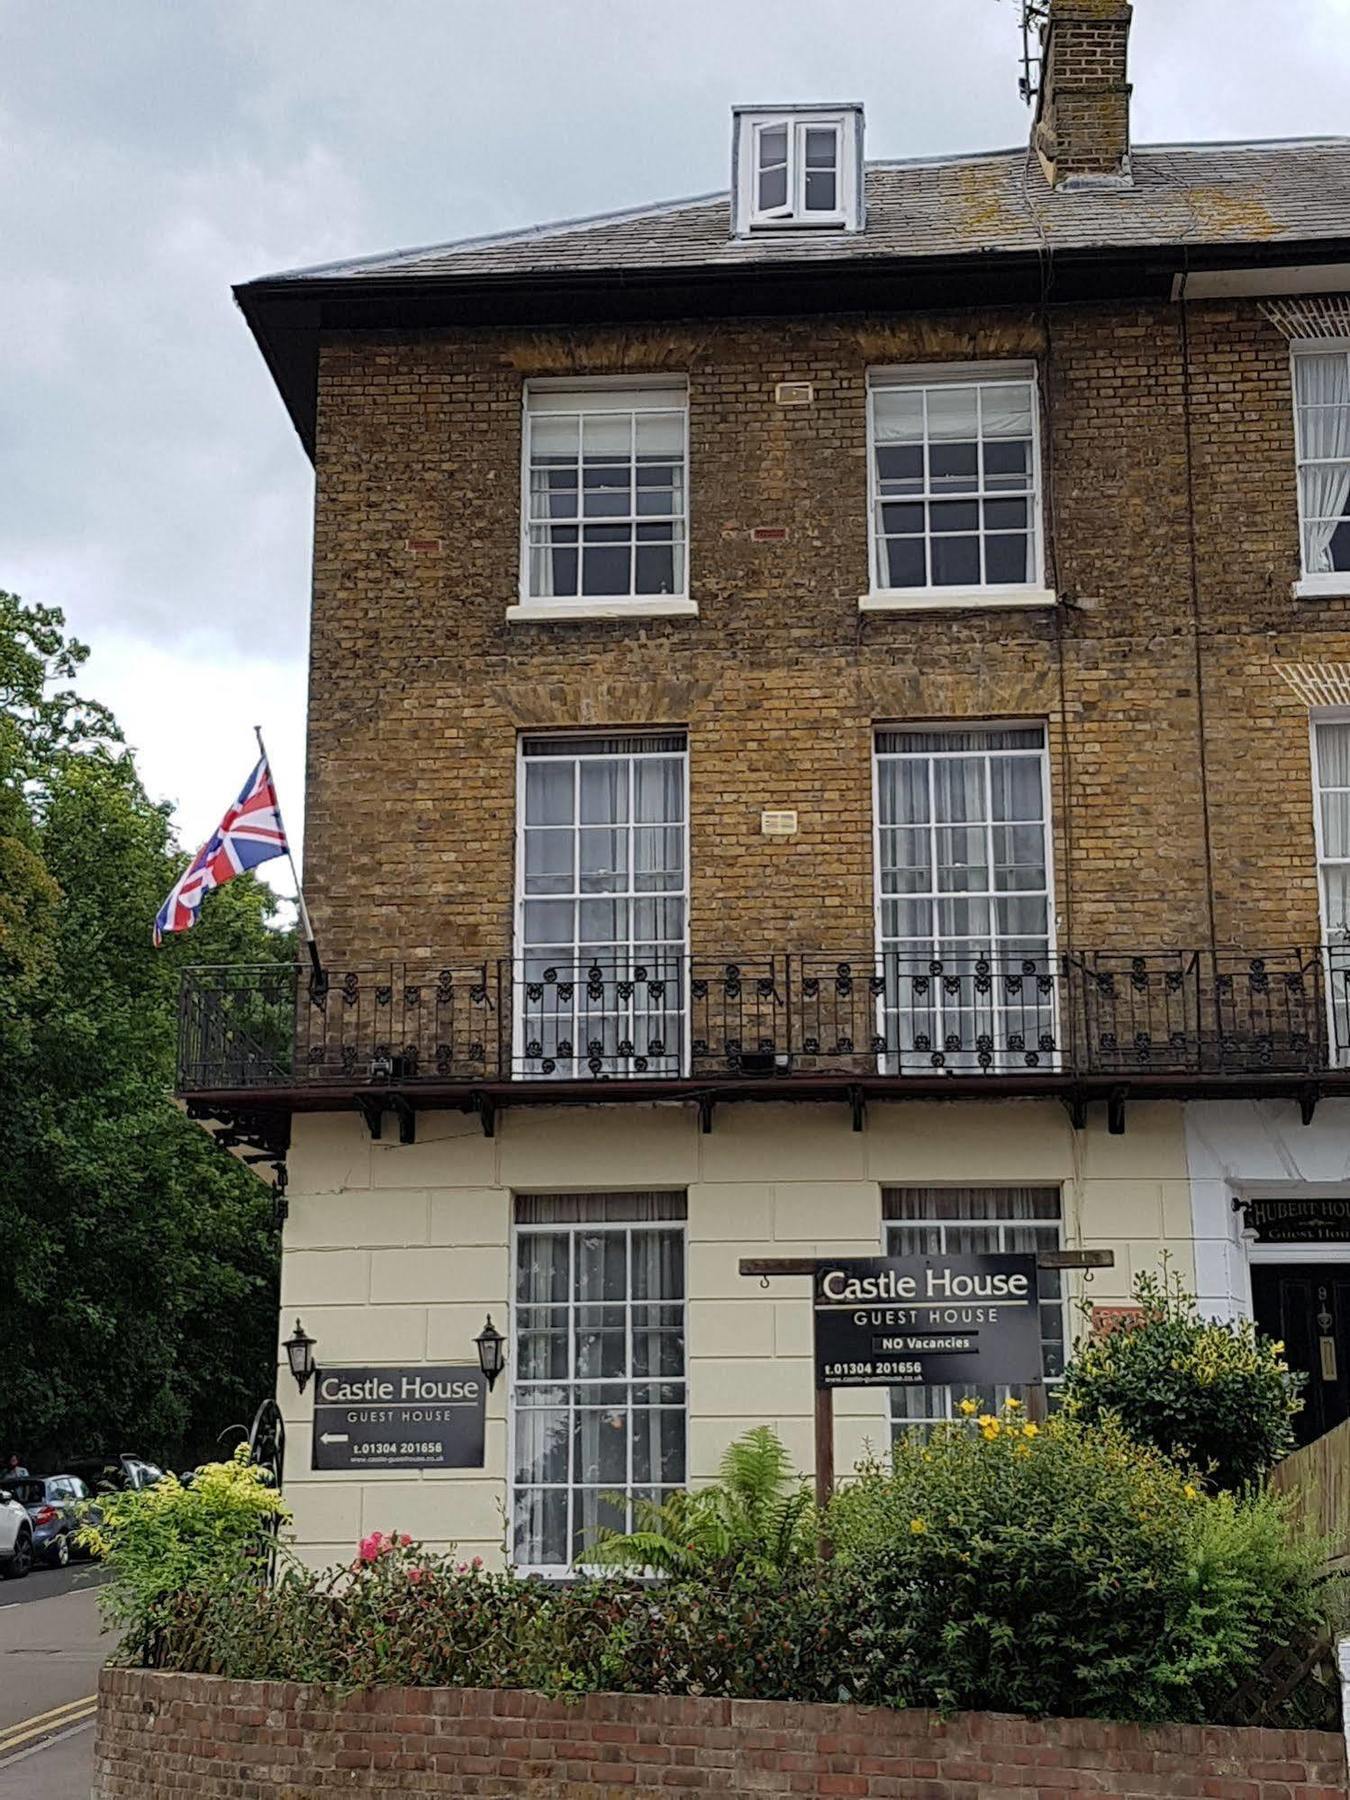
x: 915, y: 1320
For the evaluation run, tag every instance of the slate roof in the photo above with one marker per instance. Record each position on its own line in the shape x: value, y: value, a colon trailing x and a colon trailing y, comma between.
x: 998, y: 202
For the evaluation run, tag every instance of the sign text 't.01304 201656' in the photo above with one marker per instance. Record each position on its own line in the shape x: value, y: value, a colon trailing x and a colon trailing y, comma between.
x: 906, y: 1321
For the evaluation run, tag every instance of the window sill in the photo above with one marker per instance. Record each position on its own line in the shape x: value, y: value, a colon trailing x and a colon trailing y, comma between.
x: 647, y: 606
x: 945, y: 599
x: 1323, y: 587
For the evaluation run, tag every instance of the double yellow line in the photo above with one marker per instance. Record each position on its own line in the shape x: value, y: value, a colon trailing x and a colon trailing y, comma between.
x: 74, y: 1712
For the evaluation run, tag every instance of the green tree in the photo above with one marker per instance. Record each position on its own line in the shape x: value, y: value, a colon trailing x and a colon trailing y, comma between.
x: 137, y: 1284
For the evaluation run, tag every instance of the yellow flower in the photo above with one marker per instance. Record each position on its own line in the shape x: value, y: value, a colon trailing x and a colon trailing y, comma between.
x: 968, y: 1406
x: 989, y: 1429
x: 1191, y: 1491
x: 1011, y: 1405
x: 1278, y: 1346
x: 1021, y: 1449
x: 918, y: 1527
x: 1030, y: 1430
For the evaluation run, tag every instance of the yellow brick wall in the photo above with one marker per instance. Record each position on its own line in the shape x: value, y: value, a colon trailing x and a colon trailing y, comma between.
x: 420, y: 685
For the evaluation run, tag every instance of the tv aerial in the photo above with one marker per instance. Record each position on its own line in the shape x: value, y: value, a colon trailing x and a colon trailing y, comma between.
x: 1035, y: 14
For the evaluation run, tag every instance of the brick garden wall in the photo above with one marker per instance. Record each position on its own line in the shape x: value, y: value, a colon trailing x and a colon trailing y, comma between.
x: 420, y: 684
x: 162, y: 1735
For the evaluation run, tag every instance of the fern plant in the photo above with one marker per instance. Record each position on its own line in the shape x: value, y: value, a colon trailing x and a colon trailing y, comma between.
x: 756, y: 1519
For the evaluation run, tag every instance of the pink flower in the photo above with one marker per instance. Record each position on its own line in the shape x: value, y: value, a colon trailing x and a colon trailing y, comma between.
x: 371, y: 1546
x: 461, y: 1568
x: 405, y: 1540
x: 477, y: 1562
x: 415, y: 1575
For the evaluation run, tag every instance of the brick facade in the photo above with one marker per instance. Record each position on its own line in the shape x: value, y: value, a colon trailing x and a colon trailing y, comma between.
x: 1173, y: 540
x: 161, y: 1735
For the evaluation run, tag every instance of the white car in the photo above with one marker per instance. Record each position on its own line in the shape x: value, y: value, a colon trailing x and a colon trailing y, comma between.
x: 16, y: 1538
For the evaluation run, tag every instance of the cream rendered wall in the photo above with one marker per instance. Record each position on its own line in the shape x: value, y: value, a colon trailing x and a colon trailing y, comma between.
x: 393, y: 1254
x: 1235, y: 1146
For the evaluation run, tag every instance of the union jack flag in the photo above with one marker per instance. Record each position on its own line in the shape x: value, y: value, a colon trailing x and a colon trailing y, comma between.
x: 250, y: 833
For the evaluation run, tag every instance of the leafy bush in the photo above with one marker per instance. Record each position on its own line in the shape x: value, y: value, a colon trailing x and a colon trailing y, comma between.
x: 407, y: 1617
x: 1217, y: 1397
x: 1064, y: 1569
x: 162, y: 1541
x: 757, y: 1519
x: 994, y: 1565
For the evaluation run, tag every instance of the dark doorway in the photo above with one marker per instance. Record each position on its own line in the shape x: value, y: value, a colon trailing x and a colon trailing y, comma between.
x: 1308, y: 1306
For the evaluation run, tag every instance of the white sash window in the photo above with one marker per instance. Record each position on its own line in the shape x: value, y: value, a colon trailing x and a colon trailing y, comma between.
x: 598, y: 1396
x: 964, y: 898
x: 1331, y: 774
x: 1322, y: 432
x: 605, y: 491
x: 602, y: 906
x: 955, y: 459
x: 973, y: 1222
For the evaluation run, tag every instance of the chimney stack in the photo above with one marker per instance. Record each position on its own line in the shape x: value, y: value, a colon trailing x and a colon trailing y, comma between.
x: 1082, y: 129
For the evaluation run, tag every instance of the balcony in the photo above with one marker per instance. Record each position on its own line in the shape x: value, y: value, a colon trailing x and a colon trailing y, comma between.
x: 257, y: 1044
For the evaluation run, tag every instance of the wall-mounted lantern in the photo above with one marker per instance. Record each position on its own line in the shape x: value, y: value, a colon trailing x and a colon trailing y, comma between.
x: 300, y: 1355
x: 491, y: 1352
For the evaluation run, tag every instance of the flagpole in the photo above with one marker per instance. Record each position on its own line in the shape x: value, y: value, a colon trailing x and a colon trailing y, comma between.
x: 318, y: 978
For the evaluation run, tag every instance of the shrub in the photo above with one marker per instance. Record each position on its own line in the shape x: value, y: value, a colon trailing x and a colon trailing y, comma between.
x: 161, y: 1541
x: 1064, y: 1570
x: 994, y: 1565
x: 407, y: 1617
x: 756, y: 1519
x: 1217, y: 1397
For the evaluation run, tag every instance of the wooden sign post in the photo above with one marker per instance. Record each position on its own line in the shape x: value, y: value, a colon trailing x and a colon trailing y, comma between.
x: 767, y: 1266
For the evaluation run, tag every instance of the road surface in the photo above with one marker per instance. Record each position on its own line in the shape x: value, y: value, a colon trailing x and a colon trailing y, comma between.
x: 50, y: 1651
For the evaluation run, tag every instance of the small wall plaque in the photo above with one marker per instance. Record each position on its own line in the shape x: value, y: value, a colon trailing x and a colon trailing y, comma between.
x: 778, y: 824
x: 795, y: 393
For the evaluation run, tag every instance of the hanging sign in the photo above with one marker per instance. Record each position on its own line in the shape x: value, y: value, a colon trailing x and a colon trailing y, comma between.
x: 906, y: 1321
x: 426, y: 1417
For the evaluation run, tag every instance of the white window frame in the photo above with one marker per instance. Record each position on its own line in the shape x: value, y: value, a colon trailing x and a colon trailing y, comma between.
x: 590, y: 394
x: 1335, y: 953
x: 919, y: 377
x: 750, y: 124
x: 1000, y: 1226
x: 1333, y: 581
x: 1051, y: 1062
x: 794, y: 210
x: 630, y: 895
x: 556, y: 1571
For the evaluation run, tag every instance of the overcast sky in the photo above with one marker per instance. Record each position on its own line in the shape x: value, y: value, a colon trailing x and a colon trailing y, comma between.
x: 153, y: 152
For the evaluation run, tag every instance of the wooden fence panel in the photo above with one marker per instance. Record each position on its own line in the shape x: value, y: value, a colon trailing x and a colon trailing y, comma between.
x: 1317, y: 1480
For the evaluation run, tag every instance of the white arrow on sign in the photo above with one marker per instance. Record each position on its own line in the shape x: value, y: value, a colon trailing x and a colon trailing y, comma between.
x: 333, y: 1437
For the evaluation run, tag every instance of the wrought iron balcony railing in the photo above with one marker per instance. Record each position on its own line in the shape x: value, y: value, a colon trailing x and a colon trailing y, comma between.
x: 675, y: 1018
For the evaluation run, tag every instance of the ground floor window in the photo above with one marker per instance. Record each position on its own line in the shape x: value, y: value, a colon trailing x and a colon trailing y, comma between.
x: 598, y: 1387
x: 957, y: 1221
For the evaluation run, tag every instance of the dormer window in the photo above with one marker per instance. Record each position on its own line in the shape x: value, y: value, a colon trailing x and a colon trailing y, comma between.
x: 797, y: 166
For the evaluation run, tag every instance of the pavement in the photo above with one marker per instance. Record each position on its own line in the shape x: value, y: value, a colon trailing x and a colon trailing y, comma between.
x: 51, y: 1647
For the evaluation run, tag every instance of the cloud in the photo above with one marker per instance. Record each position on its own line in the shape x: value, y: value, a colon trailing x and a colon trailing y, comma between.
x: 156, y: 153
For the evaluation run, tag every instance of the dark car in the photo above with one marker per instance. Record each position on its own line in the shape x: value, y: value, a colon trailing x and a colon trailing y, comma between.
x: 114, y: 1475
x: 54, y: 1504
